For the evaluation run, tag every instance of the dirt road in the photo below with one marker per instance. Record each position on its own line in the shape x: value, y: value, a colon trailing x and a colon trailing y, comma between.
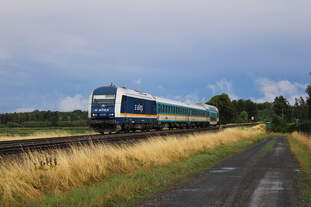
x: 263, y: 175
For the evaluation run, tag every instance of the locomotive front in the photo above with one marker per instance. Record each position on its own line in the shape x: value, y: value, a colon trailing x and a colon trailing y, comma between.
x: 102, y: 108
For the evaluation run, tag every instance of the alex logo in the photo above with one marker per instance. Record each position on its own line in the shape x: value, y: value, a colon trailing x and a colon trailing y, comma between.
x: 101, y: 110
x: 138, y: 107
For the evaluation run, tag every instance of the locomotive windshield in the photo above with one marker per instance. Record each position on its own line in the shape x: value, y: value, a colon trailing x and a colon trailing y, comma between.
x: 104, y: 99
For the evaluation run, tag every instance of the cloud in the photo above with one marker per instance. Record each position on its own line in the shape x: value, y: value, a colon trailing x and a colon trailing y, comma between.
x: 138, y: 81
x: 18, y: 110
x: 271, y: 89
x: 139, y: 43
x: 76, y: 102
x: 223, y: 86
x: 190, y: 98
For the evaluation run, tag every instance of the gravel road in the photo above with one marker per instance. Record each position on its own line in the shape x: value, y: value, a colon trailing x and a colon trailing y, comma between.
x: 255, y: 177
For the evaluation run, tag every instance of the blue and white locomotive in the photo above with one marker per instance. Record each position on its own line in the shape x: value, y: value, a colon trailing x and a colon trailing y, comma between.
x: 115, y: 108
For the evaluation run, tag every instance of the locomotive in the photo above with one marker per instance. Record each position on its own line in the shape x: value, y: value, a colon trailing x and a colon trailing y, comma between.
x: 114, y: 108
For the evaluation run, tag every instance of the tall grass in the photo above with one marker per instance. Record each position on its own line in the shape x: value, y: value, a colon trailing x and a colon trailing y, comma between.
x: 301, y: 146
x: 36, y: 174
x: 304, y: 139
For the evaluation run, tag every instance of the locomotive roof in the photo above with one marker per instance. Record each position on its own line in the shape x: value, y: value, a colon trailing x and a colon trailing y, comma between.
x: 136, y: 93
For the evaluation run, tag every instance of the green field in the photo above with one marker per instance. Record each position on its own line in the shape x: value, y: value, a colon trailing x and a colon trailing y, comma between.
x: 44, y: 131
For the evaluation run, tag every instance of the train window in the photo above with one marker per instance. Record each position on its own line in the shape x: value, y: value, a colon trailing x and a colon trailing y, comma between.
x: 104, y: 99
x: 165, y: 108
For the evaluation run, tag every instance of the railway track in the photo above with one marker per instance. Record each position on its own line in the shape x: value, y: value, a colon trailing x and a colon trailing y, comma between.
x: 19, y: 146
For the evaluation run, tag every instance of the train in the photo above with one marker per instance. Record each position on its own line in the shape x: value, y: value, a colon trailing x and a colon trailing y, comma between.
x: 115, y: 108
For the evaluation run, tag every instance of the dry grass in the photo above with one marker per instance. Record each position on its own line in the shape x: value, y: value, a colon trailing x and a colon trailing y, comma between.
x: 37, y: 135
x: 29, y: 178
x: 303, y: 139
x: 301, y: 146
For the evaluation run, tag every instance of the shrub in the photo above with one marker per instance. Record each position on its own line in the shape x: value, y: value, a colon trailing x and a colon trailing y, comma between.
x: 13, y: 124
x: 278, y: 124
x: 37, y: 124
x: 72, y: 123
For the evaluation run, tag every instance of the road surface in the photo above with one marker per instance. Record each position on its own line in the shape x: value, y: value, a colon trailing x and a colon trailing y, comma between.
x: 256, y: 177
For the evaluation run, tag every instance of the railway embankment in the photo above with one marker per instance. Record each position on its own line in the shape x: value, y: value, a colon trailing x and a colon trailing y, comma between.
x: 102, y: 175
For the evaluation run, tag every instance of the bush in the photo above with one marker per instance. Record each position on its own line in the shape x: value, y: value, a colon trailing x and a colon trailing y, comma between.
x: 37, y: 124
x: 13, y: 124
x: 72, y: 123
x: 278, y: 124
x: 305, y: 127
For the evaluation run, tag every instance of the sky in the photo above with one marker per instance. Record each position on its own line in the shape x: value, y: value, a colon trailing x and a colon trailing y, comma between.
x: 54, y: 53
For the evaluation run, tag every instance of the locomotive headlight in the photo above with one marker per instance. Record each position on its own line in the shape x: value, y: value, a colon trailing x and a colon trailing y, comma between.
x: 94, y: 114
x: 111, y: 114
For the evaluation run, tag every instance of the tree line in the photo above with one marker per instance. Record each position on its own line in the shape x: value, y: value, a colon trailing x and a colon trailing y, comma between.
x: 283, y: 115
x: 44, y: 119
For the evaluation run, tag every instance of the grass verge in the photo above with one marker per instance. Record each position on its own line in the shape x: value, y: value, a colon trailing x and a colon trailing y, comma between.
x: 300, y: 145
x: 269, y: 146
x: 128, y: 190
x: 51, y: 175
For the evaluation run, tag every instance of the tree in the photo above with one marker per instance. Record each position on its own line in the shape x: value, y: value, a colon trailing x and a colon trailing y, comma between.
x: 243, y: 117
x: 265, y: 111
x: 308, y: 91
x: 278, y: 124
x: 247, y: 106
x: 251, y: 109
x: 225, y: 107
x: 282, y: 108
x: 300, y: 109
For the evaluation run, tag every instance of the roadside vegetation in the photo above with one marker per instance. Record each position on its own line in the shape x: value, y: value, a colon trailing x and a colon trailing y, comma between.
x: 301, y: 146
x: 102, y: 175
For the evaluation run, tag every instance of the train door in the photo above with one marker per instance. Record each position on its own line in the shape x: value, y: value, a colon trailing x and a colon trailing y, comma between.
x: 124, y: 109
